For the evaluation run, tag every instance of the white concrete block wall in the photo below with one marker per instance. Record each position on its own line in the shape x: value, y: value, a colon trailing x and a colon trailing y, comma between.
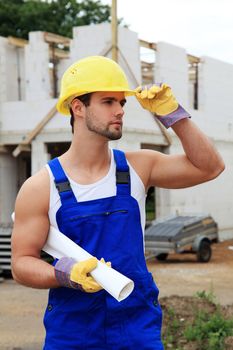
x: 90, y: 40
x: 25, y: 115
x: 129, y: 55
x: 12, y: 74
x: 12, y: 66
x: 61, y: 68
x: 38, y: 85
x: 215, y: 95
x: 8, y: 186
x: 40, y: 156
x: 217, y: 82
x: 171, y: 67
x: 162, y: 201
x: 12, y: 80
x: 21, y: 71
x: 3, y: 70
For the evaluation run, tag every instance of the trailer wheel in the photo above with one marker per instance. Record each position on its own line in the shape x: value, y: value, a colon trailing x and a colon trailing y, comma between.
x: 204, y: 251
x: 162, y: 256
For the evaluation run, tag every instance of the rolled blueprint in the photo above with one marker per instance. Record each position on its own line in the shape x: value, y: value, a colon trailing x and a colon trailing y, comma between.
x: 116, y: 284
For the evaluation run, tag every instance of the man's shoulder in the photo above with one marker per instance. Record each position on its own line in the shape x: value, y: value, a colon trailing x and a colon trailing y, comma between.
x: 143, y: 161
x: 34, y: 194
x: 37, y: 185
x: 40, y: 178
x: 142, y: 154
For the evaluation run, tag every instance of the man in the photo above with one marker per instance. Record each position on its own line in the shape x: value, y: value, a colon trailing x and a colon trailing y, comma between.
x: 96, y: 196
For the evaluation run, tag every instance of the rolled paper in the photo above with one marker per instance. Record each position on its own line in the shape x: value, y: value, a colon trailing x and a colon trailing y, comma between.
x: 115, y: 283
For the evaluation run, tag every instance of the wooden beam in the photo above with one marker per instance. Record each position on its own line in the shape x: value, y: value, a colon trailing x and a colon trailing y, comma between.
x: 153, y: 46
x: 193, y: 59
x: 32, y: 134
x: 114, y: 31
x: 17, y: 41
x: 147, y: 44
x: 52, y: 38
x: 58, y: 53
x: 21, y: 148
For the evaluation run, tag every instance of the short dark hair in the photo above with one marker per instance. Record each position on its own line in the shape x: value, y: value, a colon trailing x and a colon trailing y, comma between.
x: 85, y: 99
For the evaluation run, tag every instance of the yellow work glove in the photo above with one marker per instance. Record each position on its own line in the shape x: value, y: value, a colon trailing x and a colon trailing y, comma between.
x: 157, y: 99
x: 80, y: 273
x: 160, y: 100
x: 72, y: 274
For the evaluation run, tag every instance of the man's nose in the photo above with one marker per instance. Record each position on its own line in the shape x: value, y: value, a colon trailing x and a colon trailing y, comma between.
x: 120, y: 110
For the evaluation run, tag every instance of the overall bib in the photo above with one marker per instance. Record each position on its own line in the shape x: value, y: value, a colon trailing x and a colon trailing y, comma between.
x: 109, y: 228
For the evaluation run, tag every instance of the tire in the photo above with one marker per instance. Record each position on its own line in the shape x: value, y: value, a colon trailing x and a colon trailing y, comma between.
x: 162, y: 256
x: 204, y: 251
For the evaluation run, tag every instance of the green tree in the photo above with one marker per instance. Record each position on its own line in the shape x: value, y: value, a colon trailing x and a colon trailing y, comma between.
x: 19, y: 17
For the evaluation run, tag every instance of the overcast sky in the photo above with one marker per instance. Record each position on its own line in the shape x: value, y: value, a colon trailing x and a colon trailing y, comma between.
x: 202, y: 27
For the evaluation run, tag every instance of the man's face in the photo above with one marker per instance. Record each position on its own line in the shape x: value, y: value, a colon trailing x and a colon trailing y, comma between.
x: 104, y: 114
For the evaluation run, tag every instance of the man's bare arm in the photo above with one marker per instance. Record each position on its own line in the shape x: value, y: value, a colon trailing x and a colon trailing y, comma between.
x: 199, y: 163
x: 30, y: 233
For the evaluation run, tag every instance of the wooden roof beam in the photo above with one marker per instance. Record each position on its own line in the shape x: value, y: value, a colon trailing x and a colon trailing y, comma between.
x: 58, y: 53
x: 147, y: 44
x: 193, y: 59
x: 52, y: 38
x: 17, y: 41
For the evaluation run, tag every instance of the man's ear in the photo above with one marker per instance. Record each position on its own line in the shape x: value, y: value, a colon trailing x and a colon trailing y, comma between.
x: 78, y: 107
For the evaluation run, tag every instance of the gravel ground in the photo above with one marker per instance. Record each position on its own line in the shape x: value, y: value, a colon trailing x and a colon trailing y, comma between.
x: 21, y: 308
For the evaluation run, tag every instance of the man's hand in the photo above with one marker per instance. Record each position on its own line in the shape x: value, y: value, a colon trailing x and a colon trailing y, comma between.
x: 160, y: 100
x: 157, y: 99
x: 75, y: 275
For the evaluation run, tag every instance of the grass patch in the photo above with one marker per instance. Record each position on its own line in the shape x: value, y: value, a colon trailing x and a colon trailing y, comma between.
x: 195, y: 323
x: 209, y: 330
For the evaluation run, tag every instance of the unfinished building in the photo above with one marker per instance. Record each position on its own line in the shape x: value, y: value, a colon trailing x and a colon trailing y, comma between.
x: 32, y: 132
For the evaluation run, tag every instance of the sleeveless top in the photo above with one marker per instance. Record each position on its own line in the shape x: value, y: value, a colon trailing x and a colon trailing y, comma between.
x: 103, y: 188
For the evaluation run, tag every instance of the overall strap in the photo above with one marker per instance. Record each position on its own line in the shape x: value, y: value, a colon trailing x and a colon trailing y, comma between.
x: 62, y: 183
x: 122, y: 173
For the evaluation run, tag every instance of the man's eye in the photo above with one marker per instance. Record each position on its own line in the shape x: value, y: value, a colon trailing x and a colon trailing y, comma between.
x: 109, y: 102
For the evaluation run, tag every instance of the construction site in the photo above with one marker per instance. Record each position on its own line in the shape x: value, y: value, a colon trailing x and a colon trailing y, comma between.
x: 33, y: 132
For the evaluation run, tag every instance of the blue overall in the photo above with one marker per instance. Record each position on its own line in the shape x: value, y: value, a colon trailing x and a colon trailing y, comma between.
x: 110, y: 228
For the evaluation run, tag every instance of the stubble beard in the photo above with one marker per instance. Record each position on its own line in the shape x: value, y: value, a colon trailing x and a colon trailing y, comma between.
x: 103, y: 130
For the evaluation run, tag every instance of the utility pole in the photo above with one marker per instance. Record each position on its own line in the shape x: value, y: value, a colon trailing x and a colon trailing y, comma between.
x: 114, y: 30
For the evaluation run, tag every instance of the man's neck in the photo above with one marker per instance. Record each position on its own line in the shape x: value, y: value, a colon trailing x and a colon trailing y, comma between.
x: 86, y: 162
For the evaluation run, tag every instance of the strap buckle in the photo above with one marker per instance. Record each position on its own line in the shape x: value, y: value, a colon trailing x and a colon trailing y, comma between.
x: 63, y: 186
x: 122, y: 177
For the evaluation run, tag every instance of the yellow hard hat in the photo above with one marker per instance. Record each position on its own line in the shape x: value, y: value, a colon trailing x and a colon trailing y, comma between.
x: 91, y: 74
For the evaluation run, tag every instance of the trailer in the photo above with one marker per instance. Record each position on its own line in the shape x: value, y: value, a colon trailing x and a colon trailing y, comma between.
x: 181, y: 234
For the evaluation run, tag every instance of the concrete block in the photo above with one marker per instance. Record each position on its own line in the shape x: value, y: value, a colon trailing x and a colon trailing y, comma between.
x: 38, y: 84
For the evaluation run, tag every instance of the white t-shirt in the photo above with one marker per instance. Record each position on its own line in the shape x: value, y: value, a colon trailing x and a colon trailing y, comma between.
x: 105, y: 187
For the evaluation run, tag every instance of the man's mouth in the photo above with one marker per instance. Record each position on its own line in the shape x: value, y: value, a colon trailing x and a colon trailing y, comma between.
x: 117, y: 122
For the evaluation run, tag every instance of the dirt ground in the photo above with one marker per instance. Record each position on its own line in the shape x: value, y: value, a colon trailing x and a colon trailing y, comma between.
x: 21, y: 308
x: 183, y: 275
